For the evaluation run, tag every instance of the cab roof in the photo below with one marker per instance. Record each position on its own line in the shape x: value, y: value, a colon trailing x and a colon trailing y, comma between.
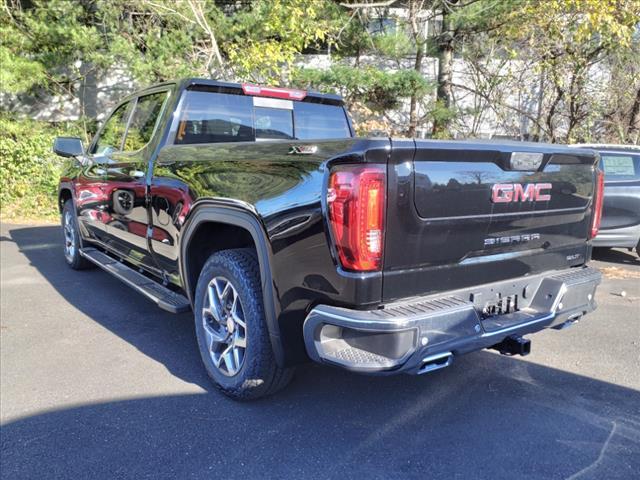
x: 248, y: 89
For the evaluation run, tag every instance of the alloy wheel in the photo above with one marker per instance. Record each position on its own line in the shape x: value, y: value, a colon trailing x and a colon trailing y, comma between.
x: 69, y: 237
x: 224, y: 326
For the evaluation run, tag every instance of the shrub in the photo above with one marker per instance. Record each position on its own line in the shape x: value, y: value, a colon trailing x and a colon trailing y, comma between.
x: 378, y: 89
x: 29, y: 170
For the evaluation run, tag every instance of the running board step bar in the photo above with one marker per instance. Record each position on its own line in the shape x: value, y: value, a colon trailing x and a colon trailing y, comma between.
x: 163, y: 297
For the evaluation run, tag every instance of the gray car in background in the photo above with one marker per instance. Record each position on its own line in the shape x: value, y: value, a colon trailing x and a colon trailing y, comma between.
x: 620, y: 225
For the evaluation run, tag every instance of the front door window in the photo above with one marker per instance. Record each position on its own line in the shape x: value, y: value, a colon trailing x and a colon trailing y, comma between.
x: 110, y: 139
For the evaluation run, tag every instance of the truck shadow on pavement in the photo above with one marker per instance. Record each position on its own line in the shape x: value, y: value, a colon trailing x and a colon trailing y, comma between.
x: 165, y: 337
x: 618, y: 255
x: 487, y: 416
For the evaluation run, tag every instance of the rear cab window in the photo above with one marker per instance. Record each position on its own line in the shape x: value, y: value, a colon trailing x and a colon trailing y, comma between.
x: 213, y: 117
x: 620, y: 166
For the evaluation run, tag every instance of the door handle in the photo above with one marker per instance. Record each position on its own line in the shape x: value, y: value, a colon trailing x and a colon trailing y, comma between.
x: 136, y: 174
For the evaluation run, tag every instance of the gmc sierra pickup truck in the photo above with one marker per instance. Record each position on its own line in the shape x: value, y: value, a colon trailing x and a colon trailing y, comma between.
x: 290, y: 239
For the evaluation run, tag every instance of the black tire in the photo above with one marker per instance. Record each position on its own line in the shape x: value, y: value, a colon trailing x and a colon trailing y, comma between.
x: 257, y: 374
x: 71, y: 238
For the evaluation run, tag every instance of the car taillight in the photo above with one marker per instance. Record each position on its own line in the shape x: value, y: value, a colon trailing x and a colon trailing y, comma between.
x: 598, y: 197
x: 356, y: 201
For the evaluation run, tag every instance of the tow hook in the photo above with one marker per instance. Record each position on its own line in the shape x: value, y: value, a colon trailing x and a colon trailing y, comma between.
x: 514, y: 345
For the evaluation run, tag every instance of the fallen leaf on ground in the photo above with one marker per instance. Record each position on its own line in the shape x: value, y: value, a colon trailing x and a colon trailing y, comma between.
x: 619, y: 273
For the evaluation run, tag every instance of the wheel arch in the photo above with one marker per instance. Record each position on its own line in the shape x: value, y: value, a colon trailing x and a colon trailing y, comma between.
x: 246, y: 227
x: 65, y: 193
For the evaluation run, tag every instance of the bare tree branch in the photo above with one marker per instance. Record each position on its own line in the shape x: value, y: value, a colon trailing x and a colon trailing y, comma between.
x: 201, y: 19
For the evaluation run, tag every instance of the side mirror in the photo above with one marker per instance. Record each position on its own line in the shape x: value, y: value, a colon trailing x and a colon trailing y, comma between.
x: 68, y: 147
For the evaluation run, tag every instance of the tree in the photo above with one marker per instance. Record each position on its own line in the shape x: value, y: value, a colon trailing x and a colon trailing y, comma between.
x: 425, y: 28
x: 264, y: 41
x: 556, y: 70
x: 618, y: 118
x: 463, y: 21
x: 52, y: 46
x: 570, y: 39
x: 373, y: 30
x: 47, y: 44
x: 250, y: 42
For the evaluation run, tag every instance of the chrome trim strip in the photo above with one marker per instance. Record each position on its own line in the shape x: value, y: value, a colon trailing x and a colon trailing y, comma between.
x: 500, y: 256
x: 374, y: 325
x: 510, y: 214
x: 436, y: 356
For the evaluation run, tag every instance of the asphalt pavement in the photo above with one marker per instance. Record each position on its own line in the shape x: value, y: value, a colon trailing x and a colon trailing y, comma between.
x: 96, y: 382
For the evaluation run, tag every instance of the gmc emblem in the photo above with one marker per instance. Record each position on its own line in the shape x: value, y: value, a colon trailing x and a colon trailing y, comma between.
x: 516, y: 192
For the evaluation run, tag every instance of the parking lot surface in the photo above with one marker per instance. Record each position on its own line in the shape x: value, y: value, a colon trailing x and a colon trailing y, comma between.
x: 96, y: 382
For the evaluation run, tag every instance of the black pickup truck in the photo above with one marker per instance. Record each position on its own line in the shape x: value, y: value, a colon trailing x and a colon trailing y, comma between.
x: 291, y: 239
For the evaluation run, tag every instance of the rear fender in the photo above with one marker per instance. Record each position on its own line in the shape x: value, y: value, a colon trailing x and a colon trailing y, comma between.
x: 240, y: 215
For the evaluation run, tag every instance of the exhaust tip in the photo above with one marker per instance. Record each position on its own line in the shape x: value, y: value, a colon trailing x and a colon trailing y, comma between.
x: 436, y: 362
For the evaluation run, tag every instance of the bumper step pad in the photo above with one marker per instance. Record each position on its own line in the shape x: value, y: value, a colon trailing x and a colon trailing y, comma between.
x: 165, y: 298
x: 357, y: 355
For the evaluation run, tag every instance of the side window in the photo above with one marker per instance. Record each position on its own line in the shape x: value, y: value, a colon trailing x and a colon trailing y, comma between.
x: 621, y: 166
x: 144, y: 120
x: 210, y: 118
x: 110, y: 138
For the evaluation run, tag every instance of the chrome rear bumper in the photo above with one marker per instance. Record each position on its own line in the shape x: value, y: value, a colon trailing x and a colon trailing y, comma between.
x: 425, y: 334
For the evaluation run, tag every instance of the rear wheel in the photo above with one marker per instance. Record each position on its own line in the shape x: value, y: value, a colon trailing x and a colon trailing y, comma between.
x: 71, y: 238
x: 232, y: 334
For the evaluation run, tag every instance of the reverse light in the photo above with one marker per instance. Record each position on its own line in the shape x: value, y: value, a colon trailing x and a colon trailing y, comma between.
x: 274, y: 92
x: 598, y: 197
x: 356, y: 201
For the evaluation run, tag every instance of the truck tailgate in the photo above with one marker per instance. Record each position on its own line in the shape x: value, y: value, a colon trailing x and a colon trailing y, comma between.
x: 460, y: 214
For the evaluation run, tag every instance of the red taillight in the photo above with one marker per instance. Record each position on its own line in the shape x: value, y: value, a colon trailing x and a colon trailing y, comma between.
x: 275, y: 92
x: 356, y: 201
x: 598, y: 197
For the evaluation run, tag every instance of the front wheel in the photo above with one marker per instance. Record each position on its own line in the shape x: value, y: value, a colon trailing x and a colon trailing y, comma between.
x: 230, y: 326
x: 71, y: 238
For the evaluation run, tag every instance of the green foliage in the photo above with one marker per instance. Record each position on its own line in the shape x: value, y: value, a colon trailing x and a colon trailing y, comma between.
x: 393, y: 45
x: 54, y: 43
x: 262, y: 41
x: 159, y: 41
x: 29, y: 171
x: 378, y: 89
x: 45, y: 44
x: 23, y: 73
x: 444, y: 116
